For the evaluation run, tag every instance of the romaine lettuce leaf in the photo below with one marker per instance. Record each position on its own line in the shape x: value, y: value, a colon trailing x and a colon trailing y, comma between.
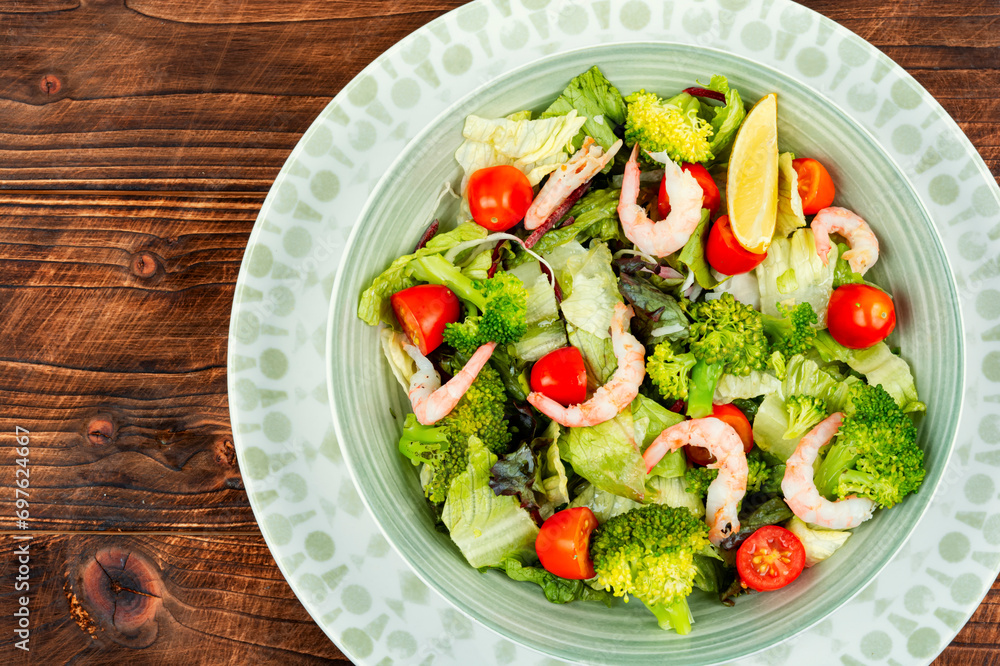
x: 793, y: 273
x: 598, y: 356
x: 546, y: 329
x: 535, y: 147
x: 757, y: 383
x: 803, y: 377
x: 557, y: 590
x: 374, y: 304
x: 607, y: 455
x: 650, y: 418
x: 551, y: 481
x: 790, y: 215
x: 591, y: 293
x: 673, y: 492
x: 693, y: 254
x: 485, y: 527
x: 727, y: 119
x: 401, y: 363
x: 594, y: 97
x: 594, y: 217
x: 603, y: 504
x: 880, y: 366
x: 819, y: 543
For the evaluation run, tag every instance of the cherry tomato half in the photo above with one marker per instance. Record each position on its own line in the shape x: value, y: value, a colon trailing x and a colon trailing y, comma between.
x: 710, y: 191
x: 815, y: 185
x: 499, y: 196
x: 423, y: 311
x: 770, y: 558
x: 732, y: 415
x: 563, y: 543
x: 724, y: 252
x: 561, y: 375
x: 860, y: 316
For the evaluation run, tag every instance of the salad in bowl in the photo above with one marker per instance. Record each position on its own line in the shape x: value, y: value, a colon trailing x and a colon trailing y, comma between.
x: 643, y: 355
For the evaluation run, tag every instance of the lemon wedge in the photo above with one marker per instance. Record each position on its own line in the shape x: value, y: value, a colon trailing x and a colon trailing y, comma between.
x: 752, y: 181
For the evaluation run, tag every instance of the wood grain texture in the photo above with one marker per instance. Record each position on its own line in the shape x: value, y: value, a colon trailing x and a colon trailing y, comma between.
x: 155, y: 599
x: 115, y: 310
x: 145, y: 102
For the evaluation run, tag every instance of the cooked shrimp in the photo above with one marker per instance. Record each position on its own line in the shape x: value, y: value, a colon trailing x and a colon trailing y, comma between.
x: 670, y: 234
x: 581, y: 167
x: 431, y: 401
x: 864, y: 246
x: 617, y: 394
x: 728, y: 489
x: 800, y: 489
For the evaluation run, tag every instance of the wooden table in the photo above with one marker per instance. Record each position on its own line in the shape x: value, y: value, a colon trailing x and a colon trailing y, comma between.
x: 137, y: 142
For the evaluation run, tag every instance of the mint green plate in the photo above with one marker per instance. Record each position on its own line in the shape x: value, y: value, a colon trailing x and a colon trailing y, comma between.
x: 919, y: 182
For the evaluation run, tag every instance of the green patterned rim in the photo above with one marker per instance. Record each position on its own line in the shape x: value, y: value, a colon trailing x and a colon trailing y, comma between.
x: 342, y: 569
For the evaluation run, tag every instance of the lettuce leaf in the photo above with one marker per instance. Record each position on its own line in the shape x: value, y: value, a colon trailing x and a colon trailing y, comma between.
x: 790, y: 215
x: 693, y: 254
x: 535, y: 147
x: 880, y: 366
x: 485, y: 527
x: 591, y: 292
x: 551, y: 480
x: 607, y: 455
x: 803, y: 377
x: 401, y: 364
x: 757, y: 383
x: 598, y: 356
x: 819, y: 543
x: 546, y: 329
x: 557, y: 590
x: 603, y: 504
x: 594, y: 97
x: 673, y: 492
x: 650, y: 418
x: 594, y: 216
x: 726, y: 120
x: 374, y: 303
x: 793, y: 273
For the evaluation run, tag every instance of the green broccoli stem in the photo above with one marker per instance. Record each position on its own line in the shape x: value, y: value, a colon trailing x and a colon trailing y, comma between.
x: 686, y: 103
x: 701, y: 390
x: 435, y: 269
x: 838, y: 459
x: 676, y: 616
x: 419, y: 442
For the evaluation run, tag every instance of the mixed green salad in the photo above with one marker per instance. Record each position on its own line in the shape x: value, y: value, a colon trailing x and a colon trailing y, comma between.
x: 644, y: 360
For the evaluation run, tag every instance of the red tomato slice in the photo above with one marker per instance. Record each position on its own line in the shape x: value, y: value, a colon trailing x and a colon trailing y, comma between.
x: 815, y: 185
x: 770, y: 558
x: 711, y: 199
x: 423, y: 311
x: 732, y: 415
x: 724, y: 252
x: 860, y: 316
x: 499, y: 196
x: 561, y: 376
x: 563, y: 543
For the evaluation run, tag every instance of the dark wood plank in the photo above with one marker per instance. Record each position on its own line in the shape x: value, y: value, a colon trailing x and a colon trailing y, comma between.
x: 115, y: 317
x: 105, y: 96
x: 106, y: 599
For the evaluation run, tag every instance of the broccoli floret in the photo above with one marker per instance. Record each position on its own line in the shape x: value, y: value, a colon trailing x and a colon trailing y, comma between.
x: 672, y: 126
x: 648, y: 552
x: 500, y: 302
x: 794, y: 332
x: 804, y: 412
x: 875, y: 454
x: 669, y: 371
x: 760, y: 477
x: 726, y: 337
x: 444, y: 446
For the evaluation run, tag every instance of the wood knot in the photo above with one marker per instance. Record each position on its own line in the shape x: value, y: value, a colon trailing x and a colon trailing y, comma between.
x: 100, y: 431
x: 143, y: 265
x: 121, y: 591
x: 226, y: 454
x: 50, y: 84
